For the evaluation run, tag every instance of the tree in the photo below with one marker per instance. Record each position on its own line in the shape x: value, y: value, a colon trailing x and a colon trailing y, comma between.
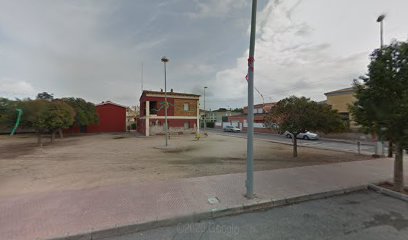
x: 239, y: 110
x: 46, y: 117
x: 297, y: 115
x: 85, y: 112
x: 45, y: 96
x: 382, y: 100
x: 33, y: 118
x: 59, y: 116
x: 7, y: 113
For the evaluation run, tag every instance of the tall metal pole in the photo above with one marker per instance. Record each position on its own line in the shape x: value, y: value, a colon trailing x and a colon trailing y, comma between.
x: 381, y: 33
x: 166, y: 128
x: 380, y: 19
x: 205, y: 114
x: 380, y: 141
x: 142, y: 78
x: 250, y: 129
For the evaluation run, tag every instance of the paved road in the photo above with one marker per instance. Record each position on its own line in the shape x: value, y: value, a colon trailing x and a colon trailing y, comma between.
x: 365, y: 148
x: 361, y: 215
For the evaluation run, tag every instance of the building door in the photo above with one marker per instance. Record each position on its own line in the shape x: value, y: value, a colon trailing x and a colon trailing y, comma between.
x: 186, y: 125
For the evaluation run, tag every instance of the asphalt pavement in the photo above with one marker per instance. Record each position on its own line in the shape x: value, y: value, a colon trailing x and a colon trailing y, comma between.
x: 359, y: 215
x: 337, y: 145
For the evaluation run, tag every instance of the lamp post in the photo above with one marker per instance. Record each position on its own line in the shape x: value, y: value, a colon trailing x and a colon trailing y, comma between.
x: 205, y: 114
x: 166, y: 128
x: 380, y: 19
x: 380, y: 141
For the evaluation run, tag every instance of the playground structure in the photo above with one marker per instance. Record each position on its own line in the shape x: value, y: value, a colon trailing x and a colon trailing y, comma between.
x: 19, y: 114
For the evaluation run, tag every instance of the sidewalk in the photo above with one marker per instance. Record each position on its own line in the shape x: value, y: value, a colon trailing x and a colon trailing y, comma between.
x: 105, y: 211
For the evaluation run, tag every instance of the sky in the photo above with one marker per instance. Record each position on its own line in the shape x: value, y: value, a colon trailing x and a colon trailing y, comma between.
x: 95, y: 49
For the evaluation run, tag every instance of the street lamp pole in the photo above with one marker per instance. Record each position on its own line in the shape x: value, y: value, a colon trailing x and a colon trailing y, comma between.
x: 250, y: 130
x: 205, y: 114
x: 166, y: 128
x: 380, y: 19
x: 380, y: 141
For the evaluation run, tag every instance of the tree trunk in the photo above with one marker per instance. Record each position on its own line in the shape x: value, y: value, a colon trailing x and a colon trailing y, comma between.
x: 39, y: 139
x: 294, y: 145
x: 398, y: 168
x: 61, y: 135
x: 52, y: 136
x: 390, y: 149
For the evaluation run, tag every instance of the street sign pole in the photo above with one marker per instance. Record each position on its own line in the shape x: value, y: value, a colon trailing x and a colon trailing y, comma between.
x: 250, y: 130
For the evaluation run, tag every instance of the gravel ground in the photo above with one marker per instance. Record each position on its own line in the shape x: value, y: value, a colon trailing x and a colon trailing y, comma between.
x: 86, y: 161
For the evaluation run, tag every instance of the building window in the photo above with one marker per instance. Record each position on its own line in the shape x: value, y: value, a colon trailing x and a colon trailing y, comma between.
x: 186, y: 109
x: 186, y: 125
x: 153, y: 107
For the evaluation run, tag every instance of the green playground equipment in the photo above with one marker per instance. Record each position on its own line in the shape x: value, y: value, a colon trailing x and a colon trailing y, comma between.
x: 20, y: 113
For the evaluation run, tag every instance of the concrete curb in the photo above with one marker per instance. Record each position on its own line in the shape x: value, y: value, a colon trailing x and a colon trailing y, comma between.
x: 258, y: 205
x: 388, y: 192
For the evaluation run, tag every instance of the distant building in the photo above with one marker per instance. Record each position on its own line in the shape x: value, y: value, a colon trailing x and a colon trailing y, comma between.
x: 260, y: 111
x: 340, y: 100
x: 132, y: 115
x: 182, y: 113
x: 218, y: 116
x: 261, y: 108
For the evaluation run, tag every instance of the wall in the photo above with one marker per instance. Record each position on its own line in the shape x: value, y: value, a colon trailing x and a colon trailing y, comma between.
x: 159, y: 100
x: 341, y: 102
x: 176, y: 106
x: 175, y: 126
x: 112, y: 118
x: 179, y: 107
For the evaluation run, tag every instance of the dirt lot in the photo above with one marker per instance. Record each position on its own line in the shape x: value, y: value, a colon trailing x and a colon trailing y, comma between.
x: 105, y: 159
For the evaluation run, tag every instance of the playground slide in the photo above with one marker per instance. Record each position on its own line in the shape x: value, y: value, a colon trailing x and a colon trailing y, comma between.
x: 20, y: 113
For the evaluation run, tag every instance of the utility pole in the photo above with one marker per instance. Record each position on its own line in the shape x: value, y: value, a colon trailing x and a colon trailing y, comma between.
x: 142, y: 78
x: 205, y: 114
x: 380, y: 19
x: 166, y: 127
x: 250, y: 131
x: 380, y: 141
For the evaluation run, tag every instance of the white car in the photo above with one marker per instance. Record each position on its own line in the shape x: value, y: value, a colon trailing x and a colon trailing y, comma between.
x: 231, y: 129
x: 306, y: 135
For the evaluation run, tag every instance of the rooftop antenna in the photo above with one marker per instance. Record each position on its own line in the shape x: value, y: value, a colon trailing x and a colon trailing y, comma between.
x: 142, y: 78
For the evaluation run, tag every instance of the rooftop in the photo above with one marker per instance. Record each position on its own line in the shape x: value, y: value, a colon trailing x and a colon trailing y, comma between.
x: 341, y: 91
x: 109, y: 102
x: 169, y: 93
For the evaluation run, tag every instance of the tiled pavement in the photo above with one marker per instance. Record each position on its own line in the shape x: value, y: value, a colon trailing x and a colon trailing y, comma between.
x: 149, y: 204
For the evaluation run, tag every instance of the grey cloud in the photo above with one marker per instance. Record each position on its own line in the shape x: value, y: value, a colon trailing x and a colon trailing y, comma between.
x: 94, y: 49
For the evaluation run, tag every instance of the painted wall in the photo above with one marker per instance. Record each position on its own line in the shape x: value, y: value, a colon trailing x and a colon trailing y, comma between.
x: 112, y: 118
x: 341, y: 102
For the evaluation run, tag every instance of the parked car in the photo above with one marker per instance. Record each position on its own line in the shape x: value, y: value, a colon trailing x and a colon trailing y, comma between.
x: 231, y: 129
x: 306, y: 135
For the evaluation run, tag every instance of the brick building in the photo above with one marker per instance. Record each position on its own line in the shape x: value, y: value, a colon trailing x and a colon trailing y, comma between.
x: 182, y: 113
